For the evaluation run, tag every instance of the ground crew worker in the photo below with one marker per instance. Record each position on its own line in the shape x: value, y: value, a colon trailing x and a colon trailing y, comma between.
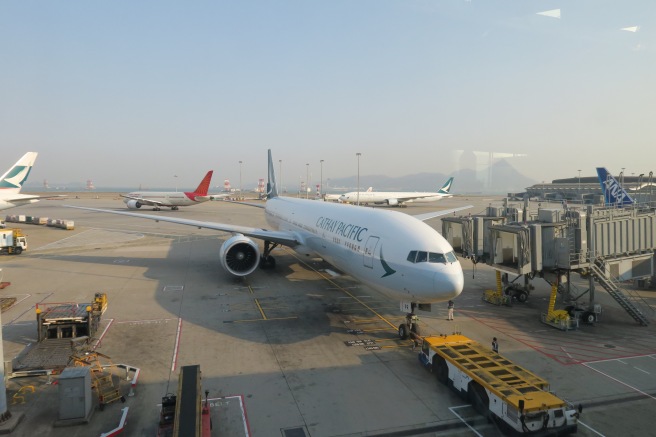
x: 450, y: 308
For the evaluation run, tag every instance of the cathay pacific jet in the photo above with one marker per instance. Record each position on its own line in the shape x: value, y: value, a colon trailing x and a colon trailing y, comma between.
x: 392, y: 252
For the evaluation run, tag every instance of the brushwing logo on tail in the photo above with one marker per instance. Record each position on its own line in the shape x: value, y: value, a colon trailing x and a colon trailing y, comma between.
x: 16, y: 177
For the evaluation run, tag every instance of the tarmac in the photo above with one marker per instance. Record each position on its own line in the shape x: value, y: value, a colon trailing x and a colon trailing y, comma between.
x: 301, y: 350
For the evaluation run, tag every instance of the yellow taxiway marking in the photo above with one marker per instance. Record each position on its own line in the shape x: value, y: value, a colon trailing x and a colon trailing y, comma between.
x: 348, y: 293
x: 264, y: 320
x: 259, y: 307
x: 375, y: 329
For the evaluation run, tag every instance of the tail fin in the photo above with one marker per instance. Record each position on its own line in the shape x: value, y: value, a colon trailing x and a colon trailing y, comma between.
x: 446, y: 188
x: 613, y: 192
x: 12, y: 181
x: 272, y: 186
x: 370, y: 189
x: 204, y: 185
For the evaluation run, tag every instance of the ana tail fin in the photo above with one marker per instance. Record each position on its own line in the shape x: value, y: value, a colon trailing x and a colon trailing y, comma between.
x: 272, y: 186
x: 12, y: 181
x: 614, y: 193
x: 446, y: 188
x: 204, y: 185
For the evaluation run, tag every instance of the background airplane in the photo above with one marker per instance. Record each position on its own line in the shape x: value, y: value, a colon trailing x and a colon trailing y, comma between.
x: 614, y: 193
x: 12, y: 181
x: 395, y: 198
x: 335, y: 197
x: 394, y: 253
x: 170, y: 199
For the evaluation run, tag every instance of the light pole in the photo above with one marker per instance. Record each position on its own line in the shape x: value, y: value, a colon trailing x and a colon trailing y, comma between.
x: 307, y: 179
x: 580, y: 186
x: 622, y: 176
x: 321, y: 180
x: 240, y: 162
x: 358, y: 197
x: 176, y: 182
x: 280, y: 175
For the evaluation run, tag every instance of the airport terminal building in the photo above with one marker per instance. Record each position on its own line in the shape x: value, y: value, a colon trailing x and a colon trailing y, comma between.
x: 588, y: 190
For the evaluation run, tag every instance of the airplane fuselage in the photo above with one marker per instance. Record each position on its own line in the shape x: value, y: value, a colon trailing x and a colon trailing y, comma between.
x: 383, y: 197
x: 372, y: 246
x: 167, y: 198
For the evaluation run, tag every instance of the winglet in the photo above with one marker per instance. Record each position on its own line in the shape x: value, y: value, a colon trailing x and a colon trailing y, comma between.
x: 272, y: 187
x: 614, y: 193
x: 446, y: 187
x: 12, y: 181
x: 204, y: 185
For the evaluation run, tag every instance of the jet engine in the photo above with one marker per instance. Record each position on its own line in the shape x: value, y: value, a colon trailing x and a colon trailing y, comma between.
x: 134, y: 204
x: 392, y: 202
x: 240, y: 255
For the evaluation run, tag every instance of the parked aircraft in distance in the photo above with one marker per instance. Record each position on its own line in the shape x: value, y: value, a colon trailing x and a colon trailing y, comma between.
x: 614, y: 193
x: 12, y: 181
x: 395, y: 198
x: 392, y: 252
x: 336, y: 197
x: 170, y: 199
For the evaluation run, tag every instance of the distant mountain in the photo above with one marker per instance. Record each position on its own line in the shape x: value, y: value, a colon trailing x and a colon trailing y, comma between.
x: 502, y: 177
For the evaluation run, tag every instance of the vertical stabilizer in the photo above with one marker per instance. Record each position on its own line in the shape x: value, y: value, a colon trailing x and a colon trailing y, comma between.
x: 614, y: 193
x: 12, y: 181
x: 204, y: 185
x: 446, y: 188
x: 272, y: 187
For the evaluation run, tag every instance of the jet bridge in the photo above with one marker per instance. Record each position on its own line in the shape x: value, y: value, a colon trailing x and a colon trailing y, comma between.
x: 606, y: 245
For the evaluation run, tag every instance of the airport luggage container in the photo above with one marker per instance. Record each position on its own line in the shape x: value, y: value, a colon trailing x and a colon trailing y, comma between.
x: 517, y: 400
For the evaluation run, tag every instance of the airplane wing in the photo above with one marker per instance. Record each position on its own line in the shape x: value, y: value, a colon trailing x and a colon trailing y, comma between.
x: 430, y: 215
x: 19, y: 197
x: 144, y: 201
x: 288, y: 239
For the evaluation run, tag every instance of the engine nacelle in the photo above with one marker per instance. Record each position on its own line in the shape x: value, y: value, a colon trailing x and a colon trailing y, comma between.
x: 392, y: 202
x: 133, y: 204
x: 240, y: 255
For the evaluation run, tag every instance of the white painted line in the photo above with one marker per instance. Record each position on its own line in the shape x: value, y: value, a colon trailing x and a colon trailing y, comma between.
x: 567, y: 353
x: 593, y: 430
x: 638, y: 368
x: 617, y: 380
x: 103, y: 334
x: 620, y: 361
x: 332, y: 273
x: 174, y: 361
x: 463, y: 420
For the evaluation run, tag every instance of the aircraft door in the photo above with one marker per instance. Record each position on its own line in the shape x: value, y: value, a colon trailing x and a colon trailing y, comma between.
x: 369, y: 251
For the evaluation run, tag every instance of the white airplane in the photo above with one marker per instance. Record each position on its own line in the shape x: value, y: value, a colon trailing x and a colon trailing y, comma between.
x: 392, y: 252
x: 395, y: 198
x: 12, y: 181
x: 170, y: 199
x: 336, y: 197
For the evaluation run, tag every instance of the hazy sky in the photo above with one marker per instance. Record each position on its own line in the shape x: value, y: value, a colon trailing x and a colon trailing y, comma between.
x: 134, y: 92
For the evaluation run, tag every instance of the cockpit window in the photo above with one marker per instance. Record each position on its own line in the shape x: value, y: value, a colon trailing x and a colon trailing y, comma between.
x: 436, y: 258
x: 418, y: 256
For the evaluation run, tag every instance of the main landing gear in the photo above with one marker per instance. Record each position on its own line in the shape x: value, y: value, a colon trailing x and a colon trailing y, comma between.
x: 266, y: 260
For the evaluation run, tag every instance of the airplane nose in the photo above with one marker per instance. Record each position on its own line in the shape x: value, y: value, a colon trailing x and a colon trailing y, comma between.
x: 449, y: 284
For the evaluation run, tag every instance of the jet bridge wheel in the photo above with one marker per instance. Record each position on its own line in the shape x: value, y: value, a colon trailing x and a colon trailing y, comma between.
x: 521, y: 296
x: 589, y: 317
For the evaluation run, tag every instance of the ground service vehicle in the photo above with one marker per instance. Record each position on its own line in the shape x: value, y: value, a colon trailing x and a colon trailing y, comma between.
x: 12, y: 242
x: 518, y: 401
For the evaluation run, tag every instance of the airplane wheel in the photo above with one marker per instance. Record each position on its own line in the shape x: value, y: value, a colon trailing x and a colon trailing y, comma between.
x: 403, y: 332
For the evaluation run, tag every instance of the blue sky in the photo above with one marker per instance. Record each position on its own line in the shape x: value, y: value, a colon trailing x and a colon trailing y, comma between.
x: 135, y: 92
